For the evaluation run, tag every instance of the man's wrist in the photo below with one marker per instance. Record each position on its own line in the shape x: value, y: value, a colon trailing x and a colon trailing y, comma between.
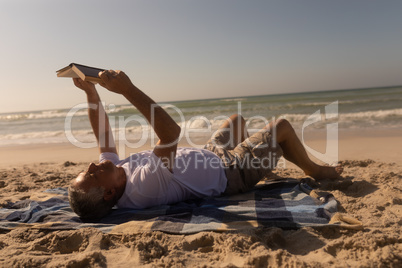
x: 129, y: 91
x: 92, y: 95
x: 91, y: 91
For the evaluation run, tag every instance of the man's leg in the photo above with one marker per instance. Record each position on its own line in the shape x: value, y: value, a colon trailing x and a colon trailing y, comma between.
x: 236, y: 125
x: 293, y: 150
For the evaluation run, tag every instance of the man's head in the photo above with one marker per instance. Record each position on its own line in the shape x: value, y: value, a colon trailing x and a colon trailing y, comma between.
x: 94, y: 192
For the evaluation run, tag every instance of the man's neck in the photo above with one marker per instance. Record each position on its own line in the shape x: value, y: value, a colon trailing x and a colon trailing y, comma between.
x: 123, y: 179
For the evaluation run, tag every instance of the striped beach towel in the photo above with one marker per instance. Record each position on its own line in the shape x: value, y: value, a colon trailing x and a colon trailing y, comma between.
x: 286, y: 204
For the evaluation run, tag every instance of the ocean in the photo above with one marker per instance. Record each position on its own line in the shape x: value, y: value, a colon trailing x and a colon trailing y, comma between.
x: 358, y: 109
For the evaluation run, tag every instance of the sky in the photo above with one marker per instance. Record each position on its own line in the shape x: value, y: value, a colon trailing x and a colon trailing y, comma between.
x: 180, y: 50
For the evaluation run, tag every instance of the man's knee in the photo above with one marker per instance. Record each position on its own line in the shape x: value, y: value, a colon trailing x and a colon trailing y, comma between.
x: 283, y: 124
x: 238, y: 118
x: 282, y: 129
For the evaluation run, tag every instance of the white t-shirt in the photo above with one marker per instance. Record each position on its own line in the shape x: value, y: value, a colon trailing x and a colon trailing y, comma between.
x: 196, y: 173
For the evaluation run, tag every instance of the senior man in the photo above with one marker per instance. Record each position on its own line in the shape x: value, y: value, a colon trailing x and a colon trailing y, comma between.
x: 230, y: 163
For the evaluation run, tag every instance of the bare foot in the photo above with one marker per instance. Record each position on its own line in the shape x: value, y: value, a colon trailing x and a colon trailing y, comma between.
x: 326, y: 172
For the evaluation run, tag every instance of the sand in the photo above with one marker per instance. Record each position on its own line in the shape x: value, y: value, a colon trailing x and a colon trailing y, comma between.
x: 370, y: 190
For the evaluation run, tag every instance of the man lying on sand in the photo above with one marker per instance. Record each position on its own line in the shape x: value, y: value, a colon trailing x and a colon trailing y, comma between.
x: 230, y: 163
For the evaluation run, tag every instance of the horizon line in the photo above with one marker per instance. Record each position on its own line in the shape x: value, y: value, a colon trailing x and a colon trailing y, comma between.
x: 243, y: 96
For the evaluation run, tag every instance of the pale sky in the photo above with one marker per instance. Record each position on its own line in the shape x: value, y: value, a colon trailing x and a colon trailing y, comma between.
x: 178, y: 50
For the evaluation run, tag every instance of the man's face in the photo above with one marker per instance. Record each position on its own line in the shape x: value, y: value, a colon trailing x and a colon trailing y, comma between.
x: 104, y: 174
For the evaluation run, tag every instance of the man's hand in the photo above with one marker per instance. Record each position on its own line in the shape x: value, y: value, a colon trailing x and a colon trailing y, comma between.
x: 97, y: 117
x: 115, y: 81
x: 84, y: 85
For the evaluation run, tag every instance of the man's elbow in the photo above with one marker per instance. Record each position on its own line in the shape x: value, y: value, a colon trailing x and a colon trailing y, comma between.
x: 170, y: 134
x: 176, y: 132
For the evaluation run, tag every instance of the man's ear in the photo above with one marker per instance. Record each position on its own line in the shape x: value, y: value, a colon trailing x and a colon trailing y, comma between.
x: 109, y: 194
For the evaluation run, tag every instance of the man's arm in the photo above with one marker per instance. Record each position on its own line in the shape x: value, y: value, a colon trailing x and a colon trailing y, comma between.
x: 164, y: 126
x: 97, y: 117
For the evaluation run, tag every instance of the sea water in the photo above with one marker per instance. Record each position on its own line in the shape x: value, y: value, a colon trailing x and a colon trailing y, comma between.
x: 359, y: 109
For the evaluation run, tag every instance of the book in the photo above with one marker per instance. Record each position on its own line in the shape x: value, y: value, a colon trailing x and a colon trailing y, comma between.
x: 86, y: 73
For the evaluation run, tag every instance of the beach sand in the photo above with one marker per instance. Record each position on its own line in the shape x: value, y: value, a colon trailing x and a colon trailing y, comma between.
x: 370, y: 191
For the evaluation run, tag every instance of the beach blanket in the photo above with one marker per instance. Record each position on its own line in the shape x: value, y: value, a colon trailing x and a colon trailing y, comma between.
x: 285, y: 204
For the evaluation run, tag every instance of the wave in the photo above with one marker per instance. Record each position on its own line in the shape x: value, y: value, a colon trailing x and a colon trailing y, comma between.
x: 33, y: 138
x: 77, y: 111
x: 203, y: 127
x: 263, y: 105
x: 234, y: 99
x: 38, y: 115
x: 379, y: 115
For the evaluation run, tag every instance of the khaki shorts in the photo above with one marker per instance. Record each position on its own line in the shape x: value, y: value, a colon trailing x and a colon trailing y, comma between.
x: 247, y: 163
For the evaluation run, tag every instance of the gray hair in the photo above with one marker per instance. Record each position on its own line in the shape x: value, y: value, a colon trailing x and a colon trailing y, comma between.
x: 89, y: 205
